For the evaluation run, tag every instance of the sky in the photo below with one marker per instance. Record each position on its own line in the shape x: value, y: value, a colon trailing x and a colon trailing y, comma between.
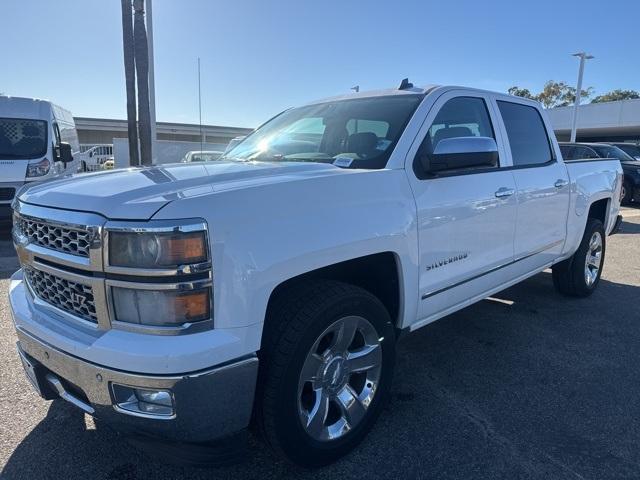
x: 259, y: 57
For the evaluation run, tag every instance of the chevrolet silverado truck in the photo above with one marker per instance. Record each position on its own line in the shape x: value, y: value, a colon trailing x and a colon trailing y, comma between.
x: 184, y: 303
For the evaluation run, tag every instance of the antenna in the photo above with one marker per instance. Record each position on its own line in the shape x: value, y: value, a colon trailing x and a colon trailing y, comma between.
x: 199, y: 104
x: 405, y: 84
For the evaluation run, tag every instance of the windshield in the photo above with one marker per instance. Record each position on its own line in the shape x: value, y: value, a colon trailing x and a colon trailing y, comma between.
x: 606, y: 151
x: 357, y: 133
x: 630, y: 149
x: 22, y: 138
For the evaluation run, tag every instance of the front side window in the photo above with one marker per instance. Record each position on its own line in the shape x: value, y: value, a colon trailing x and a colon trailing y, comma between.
x: 361, y: 133
x: 606, y: 151
x: 459, y: 117
x: 22, y: 138
x: 630, y: 149
x: 577, y: 152
x: 527, y: 134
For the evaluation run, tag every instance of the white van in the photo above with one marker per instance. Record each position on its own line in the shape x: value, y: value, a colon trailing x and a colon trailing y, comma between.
x: 37, y: 142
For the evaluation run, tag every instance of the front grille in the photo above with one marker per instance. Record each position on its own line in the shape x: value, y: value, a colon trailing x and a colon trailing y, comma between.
x: 7, y: 193
x: 74, y: 298
x: 55, y: 237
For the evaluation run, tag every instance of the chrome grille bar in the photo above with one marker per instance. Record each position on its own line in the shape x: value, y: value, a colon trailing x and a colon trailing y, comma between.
x: 72, y: 297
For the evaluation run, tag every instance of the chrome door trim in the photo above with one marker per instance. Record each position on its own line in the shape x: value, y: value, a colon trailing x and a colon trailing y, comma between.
x: 494, y: 269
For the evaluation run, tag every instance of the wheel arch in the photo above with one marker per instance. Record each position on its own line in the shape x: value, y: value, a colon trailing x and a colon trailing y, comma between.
x: 379, y: 273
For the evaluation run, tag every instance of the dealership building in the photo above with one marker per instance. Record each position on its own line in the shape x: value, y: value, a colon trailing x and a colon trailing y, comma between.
x: 100, y: 131
x: 599, y: 122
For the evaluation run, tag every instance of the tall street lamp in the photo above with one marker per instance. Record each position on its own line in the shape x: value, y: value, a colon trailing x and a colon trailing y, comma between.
x: 583, y: 56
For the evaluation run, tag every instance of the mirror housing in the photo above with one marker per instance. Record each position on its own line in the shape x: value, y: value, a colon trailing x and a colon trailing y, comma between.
x: 64, y: 153
x: 459, y: 153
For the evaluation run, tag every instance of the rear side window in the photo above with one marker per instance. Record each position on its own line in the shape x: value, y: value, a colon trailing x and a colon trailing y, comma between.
x: 527, y: 134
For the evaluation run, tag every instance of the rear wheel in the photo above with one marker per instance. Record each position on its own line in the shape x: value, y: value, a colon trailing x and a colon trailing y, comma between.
x: 326, y: 371
x: 579, y: 275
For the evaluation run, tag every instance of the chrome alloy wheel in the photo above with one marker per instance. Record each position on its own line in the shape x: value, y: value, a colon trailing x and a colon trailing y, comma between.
x: 593, y: 262
x: 339, y: 378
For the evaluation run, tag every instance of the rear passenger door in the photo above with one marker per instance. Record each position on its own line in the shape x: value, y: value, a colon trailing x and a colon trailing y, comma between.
x: 542, y: 184
x: 466, y: 218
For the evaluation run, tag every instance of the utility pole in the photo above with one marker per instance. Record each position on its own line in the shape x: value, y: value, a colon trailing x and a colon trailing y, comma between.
x: 199, y: 105
x: 152, y: 82
x: 574, y: 124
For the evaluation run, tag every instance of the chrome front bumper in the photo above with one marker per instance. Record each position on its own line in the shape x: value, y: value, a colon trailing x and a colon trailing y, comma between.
x: 209, y: 404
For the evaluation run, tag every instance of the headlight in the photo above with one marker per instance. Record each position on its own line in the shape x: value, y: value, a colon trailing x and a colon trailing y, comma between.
x: 156, y: 250
x: 161, y: 307
x: 38, y: 169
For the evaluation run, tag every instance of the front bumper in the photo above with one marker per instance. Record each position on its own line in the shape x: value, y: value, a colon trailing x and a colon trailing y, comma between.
x: 209, y: 404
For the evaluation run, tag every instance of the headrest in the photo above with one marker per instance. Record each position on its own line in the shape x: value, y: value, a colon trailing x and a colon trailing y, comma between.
x: 451, y: 132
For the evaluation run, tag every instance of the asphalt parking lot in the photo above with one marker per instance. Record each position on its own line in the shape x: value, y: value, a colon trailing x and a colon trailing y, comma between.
x: 527, y: 385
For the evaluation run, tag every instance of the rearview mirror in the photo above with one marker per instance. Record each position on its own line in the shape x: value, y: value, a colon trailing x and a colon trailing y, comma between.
x: 64, y: 152
x: 460, y: 153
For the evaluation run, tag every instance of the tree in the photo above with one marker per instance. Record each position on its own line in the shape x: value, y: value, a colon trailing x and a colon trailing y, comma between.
x: 521, y: 92
x: 554, y: 94
x: 142, y: 76
x: 617, y: 94
x: 129, y: 76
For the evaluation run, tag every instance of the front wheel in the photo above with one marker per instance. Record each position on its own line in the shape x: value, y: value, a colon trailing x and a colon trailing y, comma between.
x: 326, y: 371
x: 579, y: 275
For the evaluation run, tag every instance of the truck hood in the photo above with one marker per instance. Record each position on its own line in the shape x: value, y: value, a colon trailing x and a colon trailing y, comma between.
x: 138, y: 193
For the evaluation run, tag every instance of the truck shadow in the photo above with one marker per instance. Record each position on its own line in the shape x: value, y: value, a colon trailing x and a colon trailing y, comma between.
x: 527, y: 383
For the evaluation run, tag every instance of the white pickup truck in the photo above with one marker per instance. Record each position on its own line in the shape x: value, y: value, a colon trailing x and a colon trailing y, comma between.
x: 185, y: 302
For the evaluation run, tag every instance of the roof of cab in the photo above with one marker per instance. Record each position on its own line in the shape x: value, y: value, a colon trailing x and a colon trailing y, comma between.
x: 21, y: 107
x: 420, y: 91
x: 377, y: 93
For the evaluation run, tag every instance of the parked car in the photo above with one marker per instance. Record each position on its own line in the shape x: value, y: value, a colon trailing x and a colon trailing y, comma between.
x: 37, y: 142
x: 630, y: 165
x: 95, y: 158
x: 201, y: 156
x: 176, y: 303
x: 632, y: 149
x: 233, y: 142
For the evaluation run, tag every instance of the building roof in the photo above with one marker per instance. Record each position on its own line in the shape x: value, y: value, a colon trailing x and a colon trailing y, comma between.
x: 109, y: 124
x: 608, y: 118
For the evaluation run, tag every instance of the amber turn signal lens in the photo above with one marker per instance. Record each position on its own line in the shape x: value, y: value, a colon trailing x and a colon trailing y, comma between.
x: 193, y: 305
x: 186, y: 248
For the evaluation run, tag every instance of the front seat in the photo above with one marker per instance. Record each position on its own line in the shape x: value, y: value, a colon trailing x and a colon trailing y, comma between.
x: 363, y: 143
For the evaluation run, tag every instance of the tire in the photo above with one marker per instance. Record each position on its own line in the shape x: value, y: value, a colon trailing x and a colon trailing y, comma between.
x: 626, y: 196
x: 304, y: 320
x: 570, y: 277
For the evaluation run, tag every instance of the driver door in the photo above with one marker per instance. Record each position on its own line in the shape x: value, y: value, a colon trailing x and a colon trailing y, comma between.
x: 466, y: 218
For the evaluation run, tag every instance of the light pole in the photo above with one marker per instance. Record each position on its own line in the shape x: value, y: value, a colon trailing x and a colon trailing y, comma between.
x: 583, y: 56
x: 152, y: 83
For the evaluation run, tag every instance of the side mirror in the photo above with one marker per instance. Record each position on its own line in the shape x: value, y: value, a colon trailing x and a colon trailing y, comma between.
x: 461, y: 152
x: 64, y: 153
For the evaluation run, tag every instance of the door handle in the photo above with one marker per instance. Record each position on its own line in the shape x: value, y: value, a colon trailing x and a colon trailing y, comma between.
x: 504, y: 192
x: 560, y: 183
